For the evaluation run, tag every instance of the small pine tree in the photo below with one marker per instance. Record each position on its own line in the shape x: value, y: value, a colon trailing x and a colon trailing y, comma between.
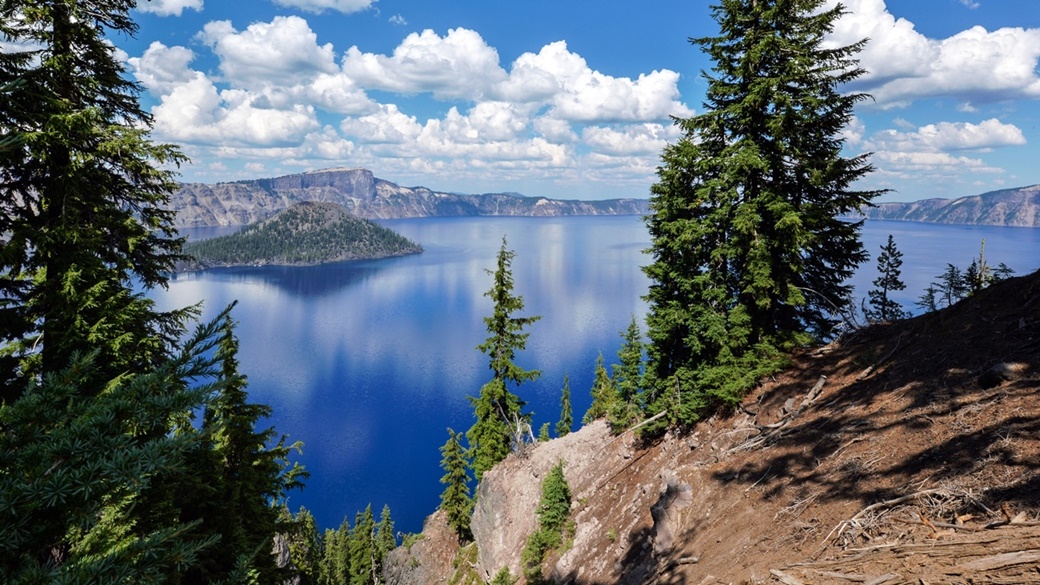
x: 603, y: 394
x: 362, y: 546
x: 504, y: 577
x: 883, y: 308
x: 952, y: 286
x: 385, y: 539
x: 455, y: 500
x: 628, y: 379
x: 566, y: 422
x: 543, y: 433
x: 928, y: 301
x: 553, y: 510
x: 304, y: 544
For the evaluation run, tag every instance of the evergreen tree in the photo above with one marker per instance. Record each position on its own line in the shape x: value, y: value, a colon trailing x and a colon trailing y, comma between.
x: 883, y: 308
x: 85, y: 212
x: 386, y: 540
x: 603, y: 394
x: 253, y: 478
x: 951, y: 286
x: 927, y: 301
x: 566, y: 422
x: 628, y: 379
x: 455, y: 500
x: 748, y: 252
x: 363, y: 549
x: 553, y: 510
x: 543, y: 433
x: 304, y: 544
x: 499, y: 412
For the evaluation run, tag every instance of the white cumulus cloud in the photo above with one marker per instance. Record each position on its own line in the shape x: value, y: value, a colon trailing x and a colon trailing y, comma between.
x: 169, y: 7
x: 279, y: 52
x: 636, y: 139
x: 457, y: 65
x: 162, y: 69
x: 950, y: 136
x: 903, y: 65
x: 576, y: 92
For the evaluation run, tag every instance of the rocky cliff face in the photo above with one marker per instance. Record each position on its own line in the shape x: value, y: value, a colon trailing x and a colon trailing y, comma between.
x: 365, y: 196
x: 1010, y: 207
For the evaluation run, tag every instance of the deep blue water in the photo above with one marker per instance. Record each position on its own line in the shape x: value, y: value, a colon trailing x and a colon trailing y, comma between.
x: 368, y: 363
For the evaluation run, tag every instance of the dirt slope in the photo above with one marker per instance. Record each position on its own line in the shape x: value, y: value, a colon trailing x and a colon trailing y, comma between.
x: 906, y: 453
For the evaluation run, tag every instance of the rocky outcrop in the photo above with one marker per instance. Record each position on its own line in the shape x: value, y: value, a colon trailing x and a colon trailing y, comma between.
x: 365, y: 196
x: 426, y: 561
x: 1009, y: 207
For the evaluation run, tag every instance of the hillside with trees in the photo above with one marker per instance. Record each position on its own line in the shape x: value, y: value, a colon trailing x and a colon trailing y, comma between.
x: 304, y: 234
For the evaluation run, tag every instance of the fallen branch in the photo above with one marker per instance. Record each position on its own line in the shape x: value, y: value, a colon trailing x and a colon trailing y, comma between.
x: 854, y: 521
x: 785, y: 578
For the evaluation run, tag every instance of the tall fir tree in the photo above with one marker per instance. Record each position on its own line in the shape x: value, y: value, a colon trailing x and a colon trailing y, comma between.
x: 628, y: 379
x: 85, y: 193
x: 748, y: 251
x: 603, y: 392
x: 498, y: 410
x: 86, y: 225
x: 566, y: 422
x: 455, y: 499
x: 882, y: 306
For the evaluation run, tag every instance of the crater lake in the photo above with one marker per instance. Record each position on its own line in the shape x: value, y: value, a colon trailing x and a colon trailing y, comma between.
x: 369, y: 362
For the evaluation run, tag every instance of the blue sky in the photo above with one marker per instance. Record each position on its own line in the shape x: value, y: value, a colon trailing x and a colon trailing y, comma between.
x: 567, y: 99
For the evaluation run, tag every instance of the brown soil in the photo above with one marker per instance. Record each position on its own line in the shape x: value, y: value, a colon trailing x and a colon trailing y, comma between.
x: 917, y: 462
x: 896, y: 455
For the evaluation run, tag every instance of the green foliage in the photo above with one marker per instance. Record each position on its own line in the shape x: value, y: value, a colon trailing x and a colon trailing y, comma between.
x: 304, y: 544
x: 363, y: 564
x: 748, y: 251
x: 604, y: 394
x: 386, y: 540
x: 248, y: 479
x: 500, y: 421
x: 566, y: 422
x: 490, y: 436
x: 504, y: 577
x: 628, y: 406
x: 882, y: 307
x: 307, y: 233
x: 553, y: 511
x: 77, y: 460
x: 455, y: 499
x: 464, y: 567
x: 543, y: 433
x: 355, y: 555
x: 85, y: 196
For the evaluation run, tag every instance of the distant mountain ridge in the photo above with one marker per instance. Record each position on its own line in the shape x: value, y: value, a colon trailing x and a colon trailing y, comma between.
x: 365, y: 196
x: 1008, y: 207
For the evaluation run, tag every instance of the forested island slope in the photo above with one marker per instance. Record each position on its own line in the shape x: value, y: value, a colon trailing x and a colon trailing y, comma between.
x: 306, y: 233
x: 1018, y: 207
x: 365, y: 196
